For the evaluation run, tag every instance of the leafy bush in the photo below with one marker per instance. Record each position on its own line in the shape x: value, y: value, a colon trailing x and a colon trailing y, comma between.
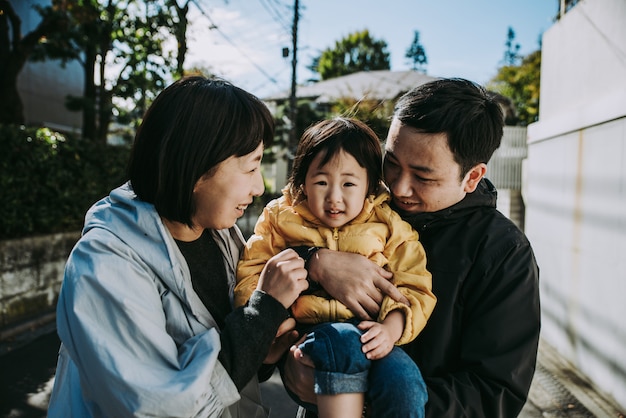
x: 48, y: 180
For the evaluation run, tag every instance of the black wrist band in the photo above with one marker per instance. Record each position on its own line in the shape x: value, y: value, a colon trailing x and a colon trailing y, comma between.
x: 306, y: 253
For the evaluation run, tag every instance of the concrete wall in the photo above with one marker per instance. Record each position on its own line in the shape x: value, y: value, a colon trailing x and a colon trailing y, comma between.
x: 575, y: 191
x: 31, y: 272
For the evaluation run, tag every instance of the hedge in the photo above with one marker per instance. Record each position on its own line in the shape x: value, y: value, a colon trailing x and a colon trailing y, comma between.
x: 48, y: 180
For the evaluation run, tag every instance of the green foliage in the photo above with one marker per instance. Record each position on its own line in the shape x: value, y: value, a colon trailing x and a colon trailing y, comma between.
x: 48, y: 180
x: 520, y: 83
x: 356, y: 52
x: 376, y: 114
x: 121, y: 42
x: 417, y: 54
x: 307, y: 114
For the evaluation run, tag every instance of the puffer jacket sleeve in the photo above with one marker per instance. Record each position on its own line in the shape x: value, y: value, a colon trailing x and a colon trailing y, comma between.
x: 265, y: 243
x: 111, y: 321
x: 406, y: 259
x: 317, y: 308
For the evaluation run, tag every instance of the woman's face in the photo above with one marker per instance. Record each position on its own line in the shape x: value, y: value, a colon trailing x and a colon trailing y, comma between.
x: 222, y: 197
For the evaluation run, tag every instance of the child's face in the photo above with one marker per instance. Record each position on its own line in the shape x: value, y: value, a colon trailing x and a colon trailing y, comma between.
x: 336, y: 192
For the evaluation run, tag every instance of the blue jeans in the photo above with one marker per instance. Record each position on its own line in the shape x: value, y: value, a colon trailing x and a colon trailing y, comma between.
x: 393, y: 385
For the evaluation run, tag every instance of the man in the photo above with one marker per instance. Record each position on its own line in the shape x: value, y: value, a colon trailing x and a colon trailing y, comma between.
x: 478, y: 351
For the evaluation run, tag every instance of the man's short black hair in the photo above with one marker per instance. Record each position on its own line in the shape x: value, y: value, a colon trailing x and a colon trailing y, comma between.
x: 463, y: 110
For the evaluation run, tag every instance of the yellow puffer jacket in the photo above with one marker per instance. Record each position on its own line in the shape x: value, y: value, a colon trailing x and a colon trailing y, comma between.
x: 377, y: 233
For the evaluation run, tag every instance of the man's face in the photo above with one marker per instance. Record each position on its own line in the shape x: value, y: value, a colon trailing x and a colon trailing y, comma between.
x: 421, y: 173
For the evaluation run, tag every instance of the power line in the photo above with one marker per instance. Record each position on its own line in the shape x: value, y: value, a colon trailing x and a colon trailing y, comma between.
x: 275, y: 14
x: 232, y: 43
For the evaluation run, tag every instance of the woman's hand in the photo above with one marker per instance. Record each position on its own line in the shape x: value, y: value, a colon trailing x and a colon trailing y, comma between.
x: 284, y: 277
x: 285, y: 337
x: 299, y: 374
x: 355, y: 281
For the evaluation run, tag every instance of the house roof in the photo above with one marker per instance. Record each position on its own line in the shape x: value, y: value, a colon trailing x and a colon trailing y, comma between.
x: 373, y: 85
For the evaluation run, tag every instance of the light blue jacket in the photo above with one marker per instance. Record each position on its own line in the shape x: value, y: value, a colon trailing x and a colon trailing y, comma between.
x: 136, y: 339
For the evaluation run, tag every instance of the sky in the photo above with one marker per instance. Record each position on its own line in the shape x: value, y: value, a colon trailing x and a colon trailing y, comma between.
x: 242, y: 40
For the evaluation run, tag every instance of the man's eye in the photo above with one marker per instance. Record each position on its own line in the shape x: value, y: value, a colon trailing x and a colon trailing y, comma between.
x: 389, y: 165
x: 422, y: 179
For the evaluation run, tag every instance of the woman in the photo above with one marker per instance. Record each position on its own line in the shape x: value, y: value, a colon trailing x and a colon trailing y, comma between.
x: 144, y: 314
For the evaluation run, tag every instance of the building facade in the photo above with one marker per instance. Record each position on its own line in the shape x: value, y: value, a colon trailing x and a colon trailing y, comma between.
x: 575, y: 190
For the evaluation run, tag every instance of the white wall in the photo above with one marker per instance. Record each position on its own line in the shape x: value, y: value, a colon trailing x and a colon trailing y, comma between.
x: 575, y: 191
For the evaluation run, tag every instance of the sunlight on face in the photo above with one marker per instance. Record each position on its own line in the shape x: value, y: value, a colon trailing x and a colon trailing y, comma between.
x: 222, y: 198
x: 336, y: 191
x: 420, y: 170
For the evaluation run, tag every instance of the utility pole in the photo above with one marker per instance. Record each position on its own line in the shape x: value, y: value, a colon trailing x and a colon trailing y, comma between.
x: 293, y: 105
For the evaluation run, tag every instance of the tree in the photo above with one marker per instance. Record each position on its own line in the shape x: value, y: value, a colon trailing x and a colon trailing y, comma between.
x: 119, y: 44
x: 417, y: 54
x: 15, y: 50
x: 179, y: 30
x: 356, y: 52
x: 511, y: 54
x: 376, y: 113
x: 520, y: 83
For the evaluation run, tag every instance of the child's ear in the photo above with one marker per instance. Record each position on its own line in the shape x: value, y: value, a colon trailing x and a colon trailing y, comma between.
x: 473, y: 177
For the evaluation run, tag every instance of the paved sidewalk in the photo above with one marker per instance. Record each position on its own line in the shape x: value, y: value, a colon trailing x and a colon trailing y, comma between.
x: 558, y: 391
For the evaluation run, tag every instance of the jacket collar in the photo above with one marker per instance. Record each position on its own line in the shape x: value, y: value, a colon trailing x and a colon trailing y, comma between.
x: 484, y: 196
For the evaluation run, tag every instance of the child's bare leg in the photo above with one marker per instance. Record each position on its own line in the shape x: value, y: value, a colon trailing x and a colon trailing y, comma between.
x: 342, y: 405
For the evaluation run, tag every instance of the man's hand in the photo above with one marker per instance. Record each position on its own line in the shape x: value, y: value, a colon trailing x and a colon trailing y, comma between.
x: 355, y: 281
x: 299, y: 374
x: 285, y: 337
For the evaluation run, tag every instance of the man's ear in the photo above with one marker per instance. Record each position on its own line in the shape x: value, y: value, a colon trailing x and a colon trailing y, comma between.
x: 473, y: 177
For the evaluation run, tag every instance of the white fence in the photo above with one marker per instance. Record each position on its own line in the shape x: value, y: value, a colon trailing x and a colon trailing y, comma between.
x: 505, y: 167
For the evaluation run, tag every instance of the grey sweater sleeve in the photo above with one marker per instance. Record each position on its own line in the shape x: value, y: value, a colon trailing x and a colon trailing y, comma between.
x: 248, y: 334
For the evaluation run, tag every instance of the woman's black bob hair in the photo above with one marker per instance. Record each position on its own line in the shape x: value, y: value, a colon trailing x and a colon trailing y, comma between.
x: 190, y: 128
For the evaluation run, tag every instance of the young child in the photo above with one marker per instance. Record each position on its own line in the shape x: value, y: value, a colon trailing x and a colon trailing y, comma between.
x: 335, y: 199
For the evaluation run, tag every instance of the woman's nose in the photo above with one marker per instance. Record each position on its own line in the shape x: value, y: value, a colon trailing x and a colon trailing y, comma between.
x: 258, y: 187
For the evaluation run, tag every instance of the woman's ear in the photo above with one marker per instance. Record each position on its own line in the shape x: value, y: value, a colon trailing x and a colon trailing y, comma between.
x: 473, y: 177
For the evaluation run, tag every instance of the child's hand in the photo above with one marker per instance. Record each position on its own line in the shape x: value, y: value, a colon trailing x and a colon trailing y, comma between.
x: 379, y: 338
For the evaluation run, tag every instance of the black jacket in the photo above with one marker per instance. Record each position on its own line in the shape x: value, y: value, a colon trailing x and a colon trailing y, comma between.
x: 478, y: 350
